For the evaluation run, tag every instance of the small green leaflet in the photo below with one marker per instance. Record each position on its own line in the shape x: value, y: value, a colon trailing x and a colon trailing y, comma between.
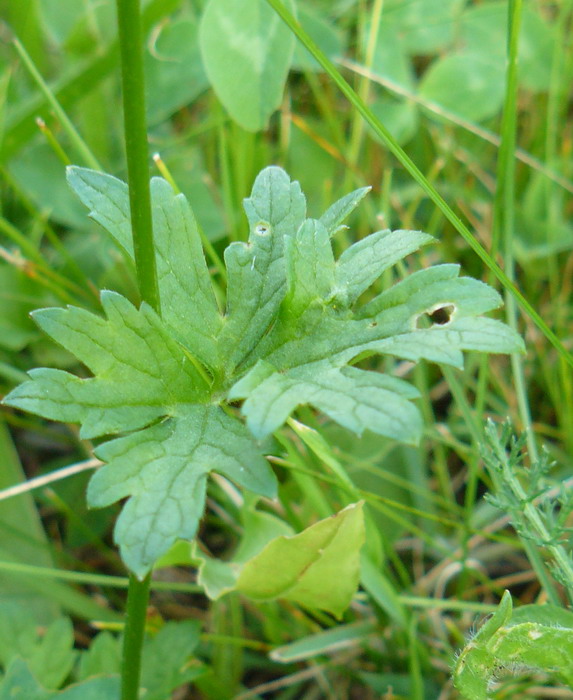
x: 293, y: 321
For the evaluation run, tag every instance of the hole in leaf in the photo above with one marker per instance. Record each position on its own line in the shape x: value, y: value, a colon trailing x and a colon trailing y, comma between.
x: 440, y: 316
x: 262, y: 229
x: 373, y: 324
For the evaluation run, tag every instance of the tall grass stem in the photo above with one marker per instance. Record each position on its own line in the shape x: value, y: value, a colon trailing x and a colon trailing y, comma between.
x: 79, y: 144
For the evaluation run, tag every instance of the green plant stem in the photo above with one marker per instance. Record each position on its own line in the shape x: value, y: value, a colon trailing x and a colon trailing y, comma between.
x: 137, y: 597
x: 418, y: 176
x: 82, y: 578
x: 133, y: 85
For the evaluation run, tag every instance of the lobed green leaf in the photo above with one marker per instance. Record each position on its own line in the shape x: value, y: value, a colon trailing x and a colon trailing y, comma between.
x: 188, y: 303
x: 293, y: 322
x: 355, y: 398
x: 141, y: 372
x: 256, y: 269
x: 163, y: 470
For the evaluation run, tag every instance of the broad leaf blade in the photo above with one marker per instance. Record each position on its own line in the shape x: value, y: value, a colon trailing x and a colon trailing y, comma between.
x: 302, y: 358
x: 319, y: 568
x: 402, y: 309
x: 445, y: 344
x: 247, y: 52
x: 163, y: 469
x: 188, y: 303
x: 140, y: 371
x: 256, y: 270
x: 423, y: 291
x: 356, y: 399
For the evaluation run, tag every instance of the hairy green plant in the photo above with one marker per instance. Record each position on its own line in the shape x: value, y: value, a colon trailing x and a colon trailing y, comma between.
x: 533, y: 638
x: 293, y: 322
x: 539, y: 510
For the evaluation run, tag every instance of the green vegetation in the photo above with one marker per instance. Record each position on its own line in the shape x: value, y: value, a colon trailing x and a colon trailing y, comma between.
x: 313, y: 471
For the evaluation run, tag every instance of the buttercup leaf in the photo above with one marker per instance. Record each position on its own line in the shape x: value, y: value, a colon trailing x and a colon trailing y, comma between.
x: 140, y: 371
x: 141, y: 375
x: 164, y: 469
x: 256, y: 274
x: 161, y: 384
x: 357, y: 399
x: 188, y: 303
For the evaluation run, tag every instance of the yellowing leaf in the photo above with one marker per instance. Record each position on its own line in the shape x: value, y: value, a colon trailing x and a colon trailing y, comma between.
x: 318, y: 568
